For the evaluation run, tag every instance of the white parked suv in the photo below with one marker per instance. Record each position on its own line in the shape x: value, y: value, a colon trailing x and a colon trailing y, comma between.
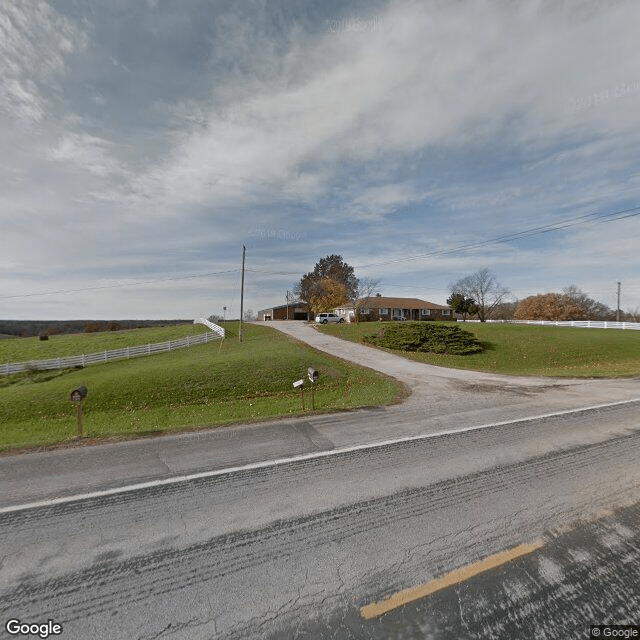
x: 324, y: 318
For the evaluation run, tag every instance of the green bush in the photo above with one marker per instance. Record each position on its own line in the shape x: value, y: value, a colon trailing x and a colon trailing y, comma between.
x: 426, y: 338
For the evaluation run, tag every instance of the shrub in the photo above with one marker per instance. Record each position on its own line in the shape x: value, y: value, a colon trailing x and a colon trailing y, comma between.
x: 428, y: 338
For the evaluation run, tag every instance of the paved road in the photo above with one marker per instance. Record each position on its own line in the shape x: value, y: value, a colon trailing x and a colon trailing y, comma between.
x: 297, y: 549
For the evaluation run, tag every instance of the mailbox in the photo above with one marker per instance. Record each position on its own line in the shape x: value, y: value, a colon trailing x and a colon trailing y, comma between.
x: 79, y: 394
x: 313, y: 374
x: 298, y: 383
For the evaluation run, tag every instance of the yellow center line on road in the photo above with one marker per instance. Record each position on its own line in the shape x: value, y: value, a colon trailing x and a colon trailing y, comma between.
x: 457, y: 576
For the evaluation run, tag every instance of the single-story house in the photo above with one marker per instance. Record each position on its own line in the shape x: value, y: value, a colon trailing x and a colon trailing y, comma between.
x: 383, y: 308
x: 292, y: 311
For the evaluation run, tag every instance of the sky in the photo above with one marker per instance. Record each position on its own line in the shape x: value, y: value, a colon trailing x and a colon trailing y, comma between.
x: 145, y: 142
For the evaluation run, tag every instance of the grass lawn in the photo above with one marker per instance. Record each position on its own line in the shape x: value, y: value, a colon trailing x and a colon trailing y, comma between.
x: 75, y: 344
x: 532, y: 350
x: 201, y: 386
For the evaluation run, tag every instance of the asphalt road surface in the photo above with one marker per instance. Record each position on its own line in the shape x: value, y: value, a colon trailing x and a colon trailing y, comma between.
x: 298, y: 549
x: 459, y: 514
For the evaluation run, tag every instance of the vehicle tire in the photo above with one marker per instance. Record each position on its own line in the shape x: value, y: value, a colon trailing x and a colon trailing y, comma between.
x: 341, y: 321
x: 324, y: 321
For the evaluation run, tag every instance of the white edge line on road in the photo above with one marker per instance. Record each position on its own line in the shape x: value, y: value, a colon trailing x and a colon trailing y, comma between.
x: 307, y: 456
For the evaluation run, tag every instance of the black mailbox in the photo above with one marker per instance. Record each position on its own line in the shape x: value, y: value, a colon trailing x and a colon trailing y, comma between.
x: 313, y: 374
x: 79, y: 394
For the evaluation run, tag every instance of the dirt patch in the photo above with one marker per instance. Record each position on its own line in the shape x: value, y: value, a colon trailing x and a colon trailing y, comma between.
x: 499, y: 387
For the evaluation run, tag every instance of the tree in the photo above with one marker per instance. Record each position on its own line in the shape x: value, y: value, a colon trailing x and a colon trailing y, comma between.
x: 547, y: 306
x: 571, y: 304
x: 329, y: 295
x: 591, y: 309
x: 366, y: 289
x: 484, y: 289
x: 462, y: 304
x: 632, y: 315
x: 505, y: 310
x: 329, y: 268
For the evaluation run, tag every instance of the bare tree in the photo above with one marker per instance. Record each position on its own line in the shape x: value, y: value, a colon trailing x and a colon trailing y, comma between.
x: 366, y: 290
x: 590, y: 309
x: 485, y: 290
x: 632, y: 315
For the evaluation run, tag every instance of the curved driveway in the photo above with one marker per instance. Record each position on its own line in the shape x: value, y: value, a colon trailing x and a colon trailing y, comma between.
x: 461, y: 395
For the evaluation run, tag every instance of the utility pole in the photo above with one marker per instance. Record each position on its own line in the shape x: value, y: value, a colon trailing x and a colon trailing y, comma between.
x: 242, y: 295
x: 287, y: 305
x: 618, y: 308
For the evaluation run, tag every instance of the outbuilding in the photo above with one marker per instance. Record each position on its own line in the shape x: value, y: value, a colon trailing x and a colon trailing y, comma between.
x: 292, y: 311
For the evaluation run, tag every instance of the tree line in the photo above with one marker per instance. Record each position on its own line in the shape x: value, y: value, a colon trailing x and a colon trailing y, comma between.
x: 332, y: 284
x: 28, y: 328
x: 482, y: 296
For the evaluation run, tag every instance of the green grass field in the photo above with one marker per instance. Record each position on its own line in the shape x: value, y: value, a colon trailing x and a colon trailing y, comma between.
x: 532, y: 350
x: 59, y: 346
x: 202, y: 386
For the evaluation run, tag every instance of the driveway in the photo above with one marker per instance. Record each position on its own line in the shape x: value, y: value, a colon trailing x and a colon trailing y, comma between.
x: 455, y: 396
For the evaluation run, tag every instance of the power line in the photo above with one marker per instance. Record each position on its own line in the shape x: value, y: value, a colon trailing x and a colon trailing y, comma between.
x: 518, y: 235
x: 118, y: 286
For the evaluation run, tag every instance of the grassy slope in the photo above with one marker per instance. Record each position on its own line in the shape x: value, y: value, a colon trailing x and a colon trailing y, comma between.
x: 205, y: 385
x: 23, y: 349
x: 533, y: 350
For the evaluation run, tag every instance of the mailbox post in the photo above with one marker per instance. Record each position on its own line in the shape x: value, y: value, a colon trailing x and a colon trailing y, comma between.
x: 77, y: 396
x: 299, y: 384
x: 313, y: 376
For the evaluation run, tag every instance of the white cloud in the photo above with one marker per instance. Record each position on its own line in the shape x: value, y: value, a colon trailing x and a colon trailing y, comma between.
x: 86, y: 151
x: 444, y: 124
x: 34, y: 41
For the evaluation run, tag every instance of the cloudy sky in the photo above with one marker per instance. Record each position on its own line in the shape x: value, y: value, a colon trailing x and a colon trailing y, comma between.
x: 143, y: 143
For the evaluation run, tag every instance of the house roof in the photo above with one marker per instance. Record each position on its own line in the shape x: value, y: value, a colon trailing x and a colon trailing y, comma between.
x: 297, y: 303
x: 375, y: 302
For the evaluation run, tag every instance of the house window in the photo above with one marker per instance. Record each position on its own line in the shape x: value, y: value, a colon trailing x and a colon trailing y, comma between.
x: 365, y: 312
x: 425, y: 312
x: 384, y: 311
x: 446, y: 312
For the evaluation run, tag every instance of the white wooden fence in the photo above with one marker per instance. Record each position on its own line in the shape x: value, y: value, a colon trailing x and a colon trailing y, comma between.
x: 586, y: 324
x: 214, y: 327
x: 114, y: 354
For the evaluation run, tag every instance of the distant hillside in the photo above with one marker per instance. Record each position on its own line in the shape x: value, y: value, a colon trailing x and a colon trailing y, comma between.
x: 26, y: 328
